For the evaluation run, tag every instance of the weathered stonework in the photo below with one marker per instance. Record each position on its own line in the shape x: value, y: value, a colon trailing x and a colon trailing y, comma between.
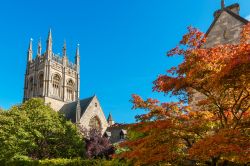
x: 225, y: 29
x: 94, y: 110
x: 54, y: 103
x: 51, y: 77
x: 56, y: 80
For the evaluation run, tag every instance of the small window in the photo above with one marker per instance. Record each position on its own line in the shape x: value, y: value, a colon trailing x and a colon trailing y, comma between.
x: 95, y: 104
x: 122, y: 136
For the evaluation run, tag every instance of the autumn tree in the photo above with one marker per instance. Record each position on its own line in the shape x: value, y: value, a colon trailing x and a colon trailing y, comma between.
x: 216, y: 128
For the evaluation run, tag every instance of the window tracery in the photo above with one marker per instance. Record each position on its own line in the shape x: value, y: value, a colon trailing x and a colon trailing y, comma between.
x: 40, y: 85
x: 95, y: 123
x: 70, y: 90
x: 56, y: 85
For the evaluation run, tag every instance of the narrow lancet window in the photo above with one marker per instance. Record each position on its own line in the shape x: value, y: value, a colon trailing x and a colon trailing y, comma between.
x: 70, y: 90
x: 40, y: 85
x: 56, y: 85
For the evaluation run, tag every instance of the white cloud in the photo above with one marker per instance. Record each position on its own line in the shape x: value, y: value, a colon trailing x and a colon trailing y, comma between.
x: 248, y: 17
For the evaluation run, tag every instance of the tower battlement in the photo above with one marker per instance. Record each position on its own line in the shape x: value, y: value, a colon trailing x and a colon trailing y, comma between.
x: 51, y: 76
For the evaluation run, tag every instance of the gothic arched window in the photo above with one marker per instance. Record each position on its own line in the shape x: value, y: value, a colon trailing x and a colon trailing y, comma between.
x: 70, y: 90
x: 95, y: 123
x: 30, y: 86
x: 40, y: 81
x: 56, y: 85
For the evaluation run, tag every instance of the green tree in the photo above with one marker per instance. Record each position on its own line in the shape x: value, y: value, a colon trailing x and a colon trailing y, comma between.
x: 34, y: 129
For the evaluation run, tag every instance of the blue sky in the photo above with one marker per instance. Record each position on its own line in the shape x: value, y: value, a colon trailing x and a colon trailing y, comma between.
x: 123, y: 43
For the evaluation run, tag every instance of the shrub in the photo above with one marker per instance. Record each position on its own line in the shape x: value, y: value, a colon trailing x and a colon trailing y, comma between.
x: 62, y: 162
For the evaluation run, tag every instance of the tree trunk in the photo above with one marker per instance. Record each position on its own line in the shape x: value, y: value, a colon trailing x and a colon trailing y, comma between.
x: 225, y: 163
x: 214, y: 161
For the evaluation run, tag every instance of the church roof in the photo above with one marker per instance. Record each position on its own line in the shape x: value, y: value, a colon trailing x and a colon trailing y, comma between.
x: 107, y: 133
x: 124, y: 132
x: 115, y: 132
x: 69, y: 110
x: 228, y: 10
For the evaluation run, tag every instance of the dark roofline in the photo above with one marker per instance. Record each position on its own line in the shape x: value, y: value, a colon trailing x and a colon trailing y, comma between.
x: 227, y: 9
x: 236, y: 5
x: 119, y: 125
x: 238, y: 17
x: 84, y: 104
x: 233, y: 6
x: 69, y: 109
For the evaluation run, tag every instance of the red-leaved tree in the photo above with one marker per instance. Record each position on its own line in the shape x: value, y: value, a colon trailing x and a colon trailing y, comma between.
x: 98, y: 146
x: 215, y: 129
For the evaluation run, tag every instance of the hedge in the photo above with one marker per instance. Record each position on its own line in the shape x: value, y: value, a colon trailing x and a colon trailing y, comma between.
x: 62, y: 162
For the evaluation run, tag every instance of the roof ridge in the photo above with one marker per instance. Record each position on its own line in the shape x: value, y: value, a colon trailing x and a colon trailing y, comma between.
x: 87, y: 98
x: 238, y: 17
x: 226, y: 9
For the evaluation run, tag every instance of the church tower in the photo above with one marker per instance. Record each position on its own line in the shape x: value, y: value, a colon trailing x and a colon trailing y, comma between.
x: 110, y: 120
x: 51, y: 77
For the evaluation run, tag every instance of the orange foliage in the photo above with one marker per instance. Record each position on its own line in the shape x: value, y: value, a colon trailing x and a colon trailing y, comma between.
x: 228, y: 143
x: 218, y: 129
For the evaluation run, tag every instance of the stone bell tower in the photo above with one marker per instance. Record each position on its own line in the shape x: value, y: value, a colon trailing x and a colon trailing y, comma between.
x: 51, y: 77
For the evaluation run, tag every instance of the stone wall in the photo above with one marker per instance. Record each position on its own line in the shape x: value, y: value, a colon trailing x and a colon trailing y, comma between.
x: 94, y: 109
x: 54, y: 103
x: 226, y: 30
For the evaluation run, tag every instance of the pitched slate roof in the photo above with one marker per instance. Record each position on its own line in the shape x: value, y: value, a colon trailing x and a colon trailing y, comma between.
x: 69, y: 110
x: 107, y: 134
x: 115, y: 131
x: 228, y: 10
x: 124, y: 132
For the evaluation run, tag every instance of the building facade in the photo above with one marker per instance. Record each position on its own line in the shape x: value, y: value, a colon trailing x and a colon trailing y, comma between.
x: 57, y: 80
x: 51, y: 77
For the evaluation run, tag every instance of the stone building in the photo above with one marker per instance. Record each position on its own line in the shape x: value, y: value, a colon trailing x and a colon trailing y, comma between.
x: 51, y: 77
x: 117, y: 132
x: 225, y: 29
x: 57, y: 80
